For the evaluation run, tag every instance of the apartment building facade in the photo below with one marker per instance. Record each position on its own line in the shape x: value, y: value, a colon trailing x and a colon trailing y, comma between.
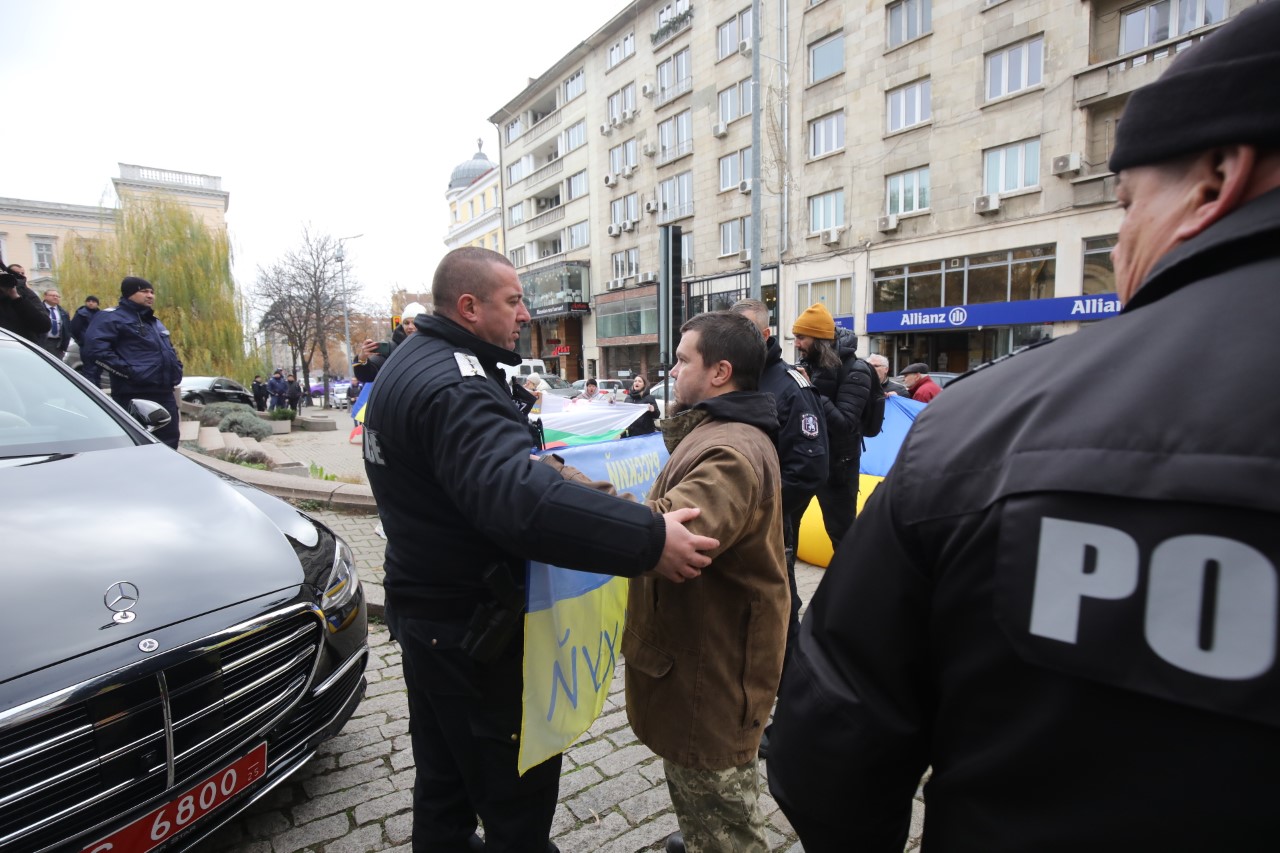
x: 934, y: 171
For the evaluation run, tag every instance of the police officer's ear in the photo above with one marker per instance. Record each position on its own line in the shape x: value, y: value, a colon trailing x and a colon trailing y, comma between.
x: 1222, y: 180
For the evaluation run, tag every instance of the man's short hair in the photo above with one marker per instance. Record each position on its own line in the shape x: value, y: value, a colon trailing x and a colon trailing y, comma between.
x: 731, y: 337
x: 754, y: 310
x: 877, y: 360
x: 49, y: 290
x: 464, y: 270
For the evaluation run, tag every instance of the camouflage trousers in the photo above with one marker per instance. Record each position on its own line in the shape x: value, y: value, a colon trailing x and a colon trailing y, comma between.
x: 719, y: 810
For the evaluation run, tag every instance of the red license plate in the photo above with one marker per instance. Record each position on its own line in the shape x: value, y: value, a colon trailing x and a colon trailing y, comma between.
x: 149, y: 832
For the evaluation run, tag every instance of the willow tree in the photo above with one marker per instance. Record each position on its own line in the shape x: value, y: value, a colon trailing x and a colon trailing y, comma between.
x: 189, y: 263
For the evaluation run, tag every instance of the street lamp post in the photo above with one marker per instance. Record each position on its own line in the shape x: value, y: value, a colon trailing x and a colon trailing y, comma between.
x: 346, y: 320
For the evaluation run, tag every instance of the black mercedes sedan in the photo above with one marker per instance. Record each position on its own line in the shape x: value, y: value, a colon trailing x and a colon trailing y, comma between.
x: 214, y: 389
x: 155, y: 680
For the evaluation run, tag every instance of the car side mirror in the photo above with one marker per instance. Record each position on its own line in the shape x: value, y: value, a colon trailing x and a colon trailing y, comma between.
x: 151, y: 415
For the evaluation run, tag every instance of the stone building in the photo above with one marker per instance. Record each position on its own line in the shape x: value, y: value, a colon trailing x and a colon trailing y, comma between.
x: 935, y: 171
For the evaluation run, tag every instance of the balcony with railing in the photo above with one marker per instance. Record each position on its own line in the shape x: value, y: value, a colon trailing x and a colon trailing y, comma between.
x: 671, y: 28
x: 675, y: 90
x: 675, y: 152
x: 672, y: 212
x: 555, y: 214
x: 1117, y: 78
x: 130, y: 172
x: 546, y: 123
x: 540, y: 174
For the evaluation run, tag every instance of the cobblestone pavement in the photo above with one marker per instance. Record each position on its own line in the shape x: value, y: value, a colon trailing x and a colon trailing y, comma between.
x: 355, y: 795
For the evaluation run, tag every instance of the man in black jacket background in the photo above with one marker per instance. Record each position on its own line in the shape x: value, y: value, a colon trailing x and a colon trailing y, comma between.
x: 1065, y: 597
x: 21, y: 311
x: 464, y: 505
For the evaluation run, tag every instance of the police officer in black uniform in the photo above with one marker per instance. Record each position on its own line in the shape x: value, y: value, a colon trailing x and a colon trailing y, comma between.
x: 463, y: 505
x: 1064, y: 598
x: 802, y: 451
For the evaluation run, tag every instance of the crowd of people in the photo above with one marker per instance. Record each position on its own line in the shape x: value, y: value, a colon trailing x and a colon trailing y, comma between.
x: 1073, y: 620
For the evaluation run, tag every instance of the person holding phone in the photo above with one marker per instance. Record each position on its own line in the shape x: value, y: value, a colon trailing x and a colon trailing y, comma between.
x: 373, y: 354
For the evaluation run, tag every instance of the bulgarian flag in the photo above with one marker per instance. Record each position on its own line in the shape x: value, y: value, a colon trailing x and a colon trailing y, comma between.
x: 584, y: 423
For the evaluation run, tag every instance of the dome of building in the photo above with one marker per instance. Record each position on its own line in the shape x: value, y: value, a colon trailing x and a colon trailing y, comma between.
x: 469, y: 170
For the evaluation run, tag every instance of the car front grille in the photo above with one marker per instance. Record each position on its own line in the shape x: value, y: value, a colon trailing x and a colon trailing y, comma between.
x: 87, y: 762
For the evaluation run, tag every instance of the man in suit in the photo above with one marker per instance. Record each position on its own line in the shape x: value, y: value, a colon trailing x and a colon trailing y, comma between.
x: 59, y: 336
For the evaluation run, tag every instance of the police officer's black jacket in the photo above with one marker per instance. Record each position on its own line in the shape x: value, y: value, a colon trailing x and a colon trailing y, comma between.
x: 1064, y: 596
x: 447, y: 457
x: 802, y: 431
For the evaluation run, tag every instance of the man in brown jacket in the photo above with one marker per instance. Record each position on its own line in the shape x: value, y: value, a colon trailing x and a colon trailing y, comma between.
x: 704, y: 657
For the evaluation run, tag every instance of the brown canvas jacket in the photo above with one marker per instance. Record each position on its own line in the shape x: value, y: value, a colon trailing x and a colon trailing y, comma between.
x: 704, y: 657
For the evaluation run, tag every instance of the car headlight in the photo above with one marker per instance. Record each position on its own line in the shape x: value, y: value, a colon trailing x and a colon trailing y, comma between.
x: 343, y: 582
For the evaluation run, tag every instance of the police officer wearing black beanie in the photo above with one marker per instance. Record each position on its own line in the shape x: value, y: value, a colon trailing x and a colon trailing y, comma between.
x: 1065, y: 597
x: 133, y: 346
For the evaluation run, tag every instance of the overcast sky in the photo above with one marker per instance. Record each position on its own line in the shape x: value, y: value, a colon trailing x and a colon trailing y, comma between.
x: 347, y: 117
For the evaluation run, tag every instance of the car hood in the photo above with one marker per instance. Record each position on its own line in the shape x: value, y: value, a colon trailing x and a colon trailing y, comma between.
x: 75, y: 525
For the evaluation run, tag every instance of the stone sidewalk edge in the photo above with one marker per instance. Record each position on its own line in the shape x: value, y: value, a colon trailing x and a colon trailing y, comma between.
x: 332, y: 494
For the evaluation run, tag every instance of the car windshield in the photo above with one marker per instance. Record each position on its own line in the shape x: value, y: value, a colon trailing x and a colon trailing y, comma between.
x: 189, y: 383
x: 43, y: 411
x: 554, y: 381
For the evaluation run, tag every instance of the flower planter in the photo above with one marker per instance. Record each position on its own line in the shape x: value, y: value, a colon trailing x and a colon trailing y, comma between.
x: 281, y: 427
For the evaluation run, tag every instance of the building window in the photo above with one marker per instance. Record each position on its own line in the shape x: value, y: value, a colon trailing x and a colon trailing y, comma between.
x: 731, y: 32
x: 627, y: 317
x: 493, y: 242
x: 575, y: 186
x: 671, y: 10
x: 578, y: 235
x: 826, y: 58
x: 735, y: 101
x: 675, y: 76
x: 826, y: 134
x: 734, y: 235
x: 625, y: 209
x: 835, y: 293
x: 734, y: 168
x: 1015, y: 68
x: 908, y: 19
x: 513, y: 130
x: 621, y: 156
x: 1012, y: 167
x: 620, y: 50
x: 626, y: 263
x: 516, y: 257
x: 907, y: 192
x: 1152, y: 23
x: 621, y: 101
x: 1012, y: 275
x: 675, y: 197
x: 686, y: 252
x: 908, y: 105
x: 675, y: 137
x: 1099, y: 272
x: 515, y: 214
x: 575, y: 85
x: 44, y: 255
x: 826, y: 210
x: 576, y: 136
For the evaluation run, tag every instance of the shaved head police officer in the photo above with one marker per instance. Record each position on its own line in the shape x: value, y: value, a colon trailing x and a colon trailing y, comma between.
x: 1064, y: 597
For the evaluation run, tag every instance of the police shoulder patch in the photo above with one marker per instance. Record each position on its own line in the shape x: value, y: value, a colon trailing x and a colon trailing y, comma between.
x: 468, y: 365
x: 809, y: 425
x: 798, y: 377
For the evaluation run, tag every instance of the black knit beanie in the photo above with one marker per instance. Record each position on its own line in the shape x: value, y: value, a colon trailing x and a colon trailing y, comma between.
x: 1219, y: 91
x: 132, y: 284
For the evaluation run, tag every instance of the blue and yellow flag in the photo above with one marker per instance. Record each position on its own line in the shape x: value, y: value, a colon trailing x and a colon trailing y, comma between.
x: 573, y: 627
x: 878, y: 454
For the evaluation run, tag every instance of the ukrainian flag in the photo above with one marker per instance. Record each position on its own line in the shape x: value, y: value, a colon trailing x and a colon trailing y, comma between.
x: 573, y: 627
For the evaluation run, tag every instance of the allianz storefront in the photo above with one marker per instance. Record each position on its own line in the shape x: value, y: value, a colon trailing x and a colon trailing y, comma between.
x: 956, y: 313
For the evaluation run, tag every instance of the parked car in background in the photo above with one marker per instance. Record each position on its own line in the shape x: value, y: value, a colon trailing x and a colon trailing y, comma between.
x: 659, y: 393
x: 179, y: 642
x: 558, y: 386
x: 338, y: 394
x: 213, y: 389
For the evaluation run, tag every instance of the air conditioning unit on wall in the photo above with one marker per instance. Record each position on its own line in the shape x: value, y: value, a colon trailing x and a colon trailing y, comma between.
x: 614, y: 230
x: 648, y: 90
x: 605, y: 130
x: 652, y: 206
x: 1066, y: 164
x: 647, y: 277
x: 986, y: 204
x: 831, y: 236
x: 610, y: 180
x: 616, y: 283
x: 719, y: 130
x: 628, y: 171
x: 887, y: 223
x: 629, y: 225
x: 744, y: 47
x: 648, y: 149
x: 744, y: 187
